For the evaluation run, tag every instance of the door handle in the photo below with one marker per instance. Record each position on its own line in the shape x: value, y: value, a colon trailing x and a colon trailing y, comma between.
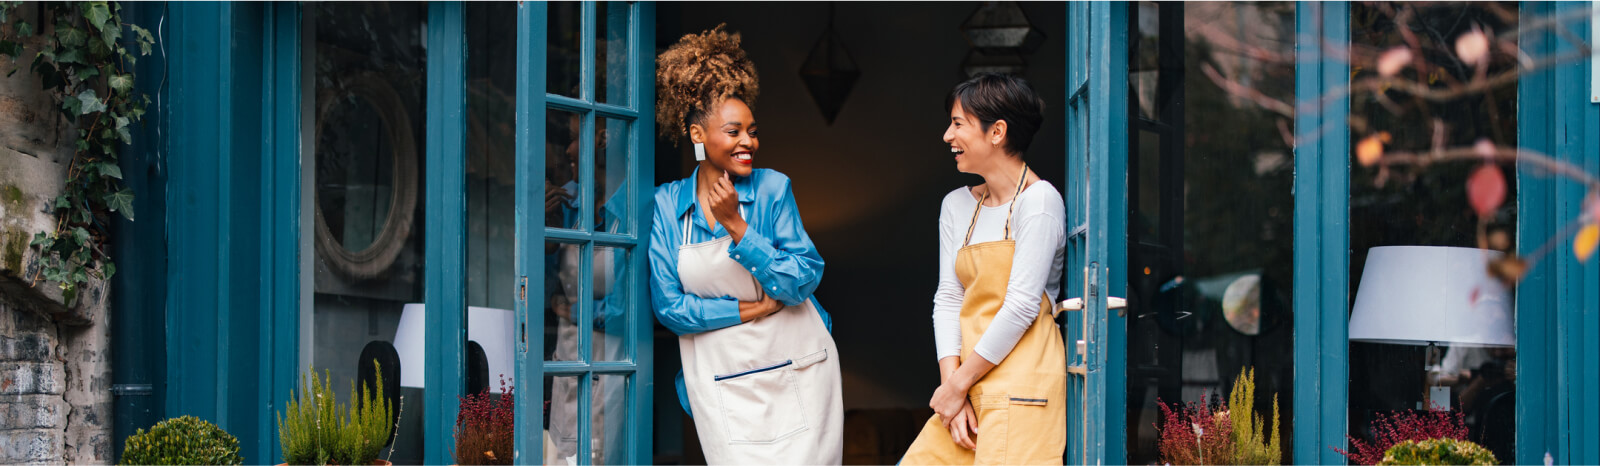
x: 1076, y: 304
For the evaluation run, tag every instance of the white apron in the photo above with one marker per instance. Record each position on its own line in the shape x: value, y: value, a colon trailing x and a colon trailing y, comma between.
x: 765, y: 391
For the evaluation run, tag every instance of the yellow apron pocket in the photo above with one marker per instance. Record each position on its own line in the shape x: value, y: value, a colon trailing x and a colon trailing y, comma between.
x: 761, y: 405
x: 1038, y: 437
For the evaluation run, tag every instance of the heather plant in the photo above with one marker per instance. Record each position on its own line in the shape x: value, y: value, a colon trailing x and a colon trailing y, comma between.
x: 1438, y: 451
x: 182, y: 440
x: 485, y: 428
x: 316, y: 429
x: 1390, y: 429
x: 1197, y: 434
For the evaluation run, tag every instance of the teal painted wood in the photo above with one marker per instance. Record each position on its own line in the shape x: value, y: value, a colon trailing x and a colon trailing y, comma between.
x: 1558, y: 302
x: 1537, y: 346
x: 238, y: 317
x: 1097, y: 155
x: 199, y: 86
x: 1322, y: 236
x: 585, y: 308
x: 445, y: 241
x: 641, y: 403
x: 532, y: 40
x: 280, y: 209
x: 138, y: 289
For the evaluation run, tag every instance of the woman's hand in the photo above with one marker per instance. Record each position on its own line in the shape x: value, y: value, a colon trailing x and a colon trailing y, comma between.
x: 724, y: 201
x: 752, y: 310
x: 959, y: 427
x: 947, y: 401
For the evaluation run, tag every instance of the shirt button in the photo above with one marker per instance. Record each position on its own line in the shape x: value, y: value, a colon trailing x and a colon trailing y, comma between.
x: 735, y: 256
x: 774, y: 288
x: 752, y: 269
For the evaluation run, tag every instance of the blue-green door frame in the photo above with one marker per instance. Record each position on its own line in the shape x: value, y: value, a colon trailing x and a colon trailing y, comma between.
x: 532, y: 105
x: 1097, y: 199
x: 232, y: 224
x: 1558, y: 302
x: 1321, y: 233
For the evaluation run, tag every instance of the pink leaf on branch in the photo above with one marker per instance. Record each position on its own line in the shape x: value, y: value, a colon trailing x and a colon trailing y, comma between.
x: 1473, y: 47
x: 1393, y: 60
x: 1486, y: 189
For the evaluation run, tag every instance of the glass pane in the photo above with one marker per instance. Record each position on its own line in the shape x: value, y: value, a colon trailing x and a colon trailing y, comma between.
x: 491, y: 197
x: 367, y: 80
x: 561, y: 429
x: 1419, y: 215
x: 611, y: 304
x: 565, y: 50
x: 610, y: 428
x: 1210, y: 275
x: 564, y: 290
x: 611, y: 175
x: 611, y: 52
x: 561, y: 169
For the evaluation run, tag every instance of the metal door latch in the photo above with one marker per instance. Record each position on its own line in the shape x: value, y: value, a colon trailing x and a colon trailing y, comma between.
x: 1076, y: 304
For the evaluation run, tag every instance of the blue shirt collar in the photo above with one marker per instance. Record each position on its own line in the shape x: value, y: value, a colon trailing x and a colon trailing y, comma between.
x: 686, y: 197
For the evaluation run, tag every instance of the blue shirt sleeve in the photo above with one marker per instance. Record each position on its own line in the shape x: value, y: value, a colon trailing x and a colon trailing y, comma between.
x: 787, y: 263
x: 680, y: 312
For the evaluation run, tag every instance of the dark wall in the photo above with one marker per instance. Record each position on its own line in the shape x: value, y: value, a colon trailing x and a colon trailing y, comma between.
x: 870, y: 184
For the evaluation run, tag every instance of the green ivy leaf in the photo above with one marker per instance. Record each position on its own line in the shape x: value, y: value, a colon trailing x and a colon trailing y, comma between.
x: 83, y: 145
x: 80, y: 234
x: 111, y: 170
x: 97, y: 13
x: 121, y: 82
x: 110, y: 35
x: 121, y: 201
x: 70, y: 37
x: 110, y: 269
x: 24, y: 29
x: 42, y: 239
x: 80, y: 276
x: 87, y: 72
x: 144, y: 34
x: 124, y: 135
x: 10, y: 49
x: 72, y: 105
x: 91, y: 103
x: 62, y: 202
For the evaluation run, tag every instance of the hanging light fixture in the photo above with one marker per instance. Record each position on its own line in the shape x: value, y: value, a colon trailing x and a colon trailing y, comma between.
x: 1001, y: 37
x: 829, y: 72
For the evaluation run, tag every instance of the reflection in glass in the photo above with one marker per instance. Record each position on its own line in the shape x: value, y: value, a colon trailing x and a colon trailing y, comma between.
x: 366, y: 71
x: 561, y: 399
x: 611, y: 176
x: 561, y: 190
x: 1211, y: 211
x: 611, y: 303
x: 611, y: 52
x: 565, y: 51
x: 610, y: 419
x: 1403, y: 206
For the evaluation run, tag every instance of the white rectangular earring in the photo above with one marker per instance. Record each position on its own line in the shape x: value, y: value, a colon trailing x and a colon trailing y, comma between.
x: 699, y: 152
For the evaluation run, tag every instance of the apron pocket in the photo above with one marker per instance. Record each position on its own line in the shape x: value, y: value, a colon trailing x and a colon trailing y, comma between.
x: 762, y: 405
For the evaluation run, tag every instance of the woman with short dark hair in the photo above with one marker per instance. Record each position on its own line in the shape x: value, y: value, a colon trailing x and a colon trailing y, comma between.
x: 1001, y: 247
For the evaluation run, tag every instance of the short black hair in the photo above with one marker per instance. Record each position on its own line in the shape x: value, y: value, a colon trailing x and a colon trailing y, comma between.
x: 991, y: 97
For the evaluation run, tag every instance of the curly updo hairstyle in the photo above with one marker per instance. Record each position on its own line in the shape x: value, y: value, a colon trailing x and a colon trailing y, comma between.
x: 698, y: 72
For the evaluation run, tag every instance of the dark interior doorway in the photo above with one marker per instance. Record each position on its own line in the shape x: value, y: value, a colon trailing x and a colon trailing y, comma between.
x: 868, y: 185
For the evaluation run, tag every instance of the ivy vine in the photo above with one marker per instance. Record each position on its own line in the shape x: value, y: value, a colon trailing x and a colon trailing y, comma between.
x: 86, y: 67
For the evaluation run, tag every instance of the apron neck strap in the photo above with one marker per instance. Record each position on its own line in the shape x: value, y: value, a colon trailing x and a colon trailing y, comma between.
x: 975, y: 210
x: 688, y: 219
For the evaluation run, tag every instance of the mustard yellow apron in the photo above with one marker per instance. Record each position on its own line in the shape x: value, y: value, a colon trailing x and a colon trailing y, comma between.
x: 1021, y: 403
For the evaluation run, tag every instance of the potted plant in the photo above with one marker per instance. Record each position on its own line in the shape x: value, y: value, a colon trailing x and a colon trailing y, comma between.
x: 1231, y: 434
x: 182, y: 440
x: 1438, y: 451
x: 1396, y: 427
x: 316, y: 429
x: 485, y: 427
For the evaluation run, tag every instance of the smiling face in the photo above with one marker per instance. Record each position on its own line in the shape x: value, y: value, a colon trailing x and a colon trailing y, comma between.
x: 729, y: 134
x: 974, y: 147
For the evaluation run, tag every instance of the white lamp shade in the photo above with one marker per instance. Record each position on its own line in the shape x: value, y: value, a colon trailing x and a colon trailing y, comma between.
x: 493, y: 329
x: 1417, y: 295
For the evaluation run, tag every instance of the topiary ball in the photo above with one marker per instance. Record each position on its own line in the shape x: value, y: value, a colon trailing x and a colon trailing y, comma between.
x: 1438, y: 451
x: 182, y: 440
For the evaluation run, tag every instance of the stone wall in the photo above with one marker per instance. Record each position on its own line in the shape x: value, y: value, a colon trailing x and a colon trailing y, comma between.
x: 55, y: 366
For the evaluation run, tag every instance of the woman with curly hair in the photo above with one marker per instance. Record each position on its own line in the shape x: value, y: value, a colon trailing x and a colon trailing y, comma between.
x: 732, y: 272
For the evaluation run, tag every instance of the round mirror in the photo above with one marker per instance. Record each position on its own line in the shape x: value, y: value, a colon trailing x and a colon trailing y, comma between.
x: 1241, y: 304
x: 366, y: 177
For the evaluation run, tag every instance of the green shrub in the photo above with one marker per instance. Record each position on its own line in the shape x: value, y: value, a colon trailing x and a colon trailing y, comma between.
x: 1438, y: 451
x: 313, y: 431
x: 1250, y: 446
x: 183, y: 440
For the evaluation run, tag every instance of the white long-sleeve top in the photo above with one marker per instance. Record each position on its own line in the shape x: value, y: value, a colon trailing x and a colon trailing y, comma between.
x: 1038, y: 225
